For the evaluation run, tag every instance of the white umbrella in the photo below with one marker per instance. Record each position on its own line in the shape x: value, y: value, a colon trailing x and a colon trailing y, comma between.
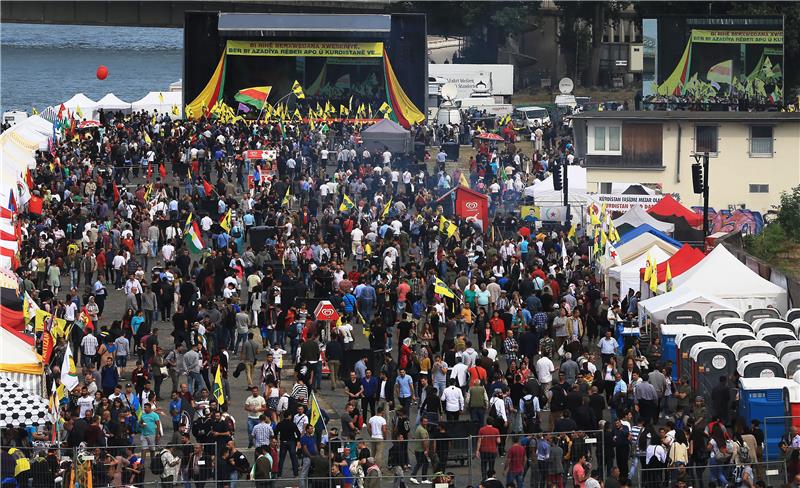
x: 19, y: 408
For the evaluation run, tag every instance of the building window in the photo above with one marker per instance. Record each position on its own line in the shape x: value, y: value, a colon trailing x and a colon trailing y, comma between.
x: 759, y: 188
x: 705, y: 139
x: 761, y: 141
x: 606, y: 187
x: 605, y: 139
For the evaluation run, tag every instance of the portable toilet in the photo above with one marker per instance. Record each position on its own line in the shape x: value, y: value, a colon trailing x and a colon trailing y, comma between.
x: 760, y: 365
x: 771, y: 401
x: 792, y: 314
x: 685, y: 341
x: 710, y: 362
x: 785, y: 347
x: 791, y: 363
x: 729, y: 337
x: 774, y: 336
x: 669, y: 350
x: 729, y: 323
x: 760, y: 313
x: 684, y: 317
x: 719, y: 313
x: 742, y: 348
x: 763, y: 324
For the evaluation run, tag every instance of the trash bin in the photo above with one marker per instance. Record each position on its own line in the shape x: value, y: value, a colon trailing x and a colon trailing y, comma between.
x: 451, y: 148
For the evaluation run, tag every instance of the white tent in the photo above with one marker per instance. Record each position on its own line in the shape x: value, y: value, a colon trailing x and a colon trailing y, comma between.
x: 637, y: 216
x: 111, y: 102
x: 683, y: 298
x: 577, y: 183
x: 159, y: 101
x: 86, y: 104
x: 627, y: 276
x: 20, y: 362
x: 721, y: 274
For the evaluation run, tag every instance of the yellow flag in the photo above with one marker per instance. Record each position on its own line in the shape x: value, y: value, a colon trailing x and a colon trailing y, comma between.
x: 385, y: 108
x: 34, y: 111
x: 647, y: 269
x: 369, y: 107
x: 440, y: 288
x: 225, y: 221
x: 446, y: 227
x: 148, y: 192
x: 216, y: 388
x: 175, y: 110
x: 286, y: 197
x: 654, y: 279
x: 462, y: 180
x: 147, y: 138
x: 669, y: 278
x: 571, y: 233
x: 346, y: 204
x: 361, y: 111
x: 386, y: 208
x: 343, y: 111
x: 297, y: 89
x: 593, y: 216
x: 78, y: 111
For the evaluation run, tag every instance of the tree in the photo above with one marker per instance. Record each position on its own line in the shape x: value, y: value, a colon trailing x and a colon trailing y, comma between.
x: 789, y: 213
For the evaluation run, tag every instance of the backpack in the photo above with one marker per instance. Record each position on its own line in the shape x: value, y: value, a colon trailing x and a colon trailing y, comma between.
x: 529, y: 409
x: 157, y: 464
x: 744, y: 453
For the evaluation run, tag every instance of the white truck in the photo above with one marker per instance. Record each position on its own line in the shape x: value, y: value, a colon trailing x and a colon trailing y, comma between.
x: 498, y: 78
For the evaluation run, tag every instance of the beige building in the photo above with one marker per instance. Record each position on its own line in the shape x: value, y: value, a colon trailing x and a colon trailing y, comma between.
x: 754, y: 156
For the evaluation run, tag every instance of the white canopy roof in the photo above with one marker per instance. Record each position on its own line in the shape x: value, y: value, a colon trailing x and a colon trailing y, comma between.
x: 637, y: 216
x: 85, y: 103
x: 577, y: 183
x: 627, y: 275
x: 682, y: 298
x: 20, y: 362
x: 112, y: 102
x: 636, y: 247
x: 721, y: 274
x: 160, y: 101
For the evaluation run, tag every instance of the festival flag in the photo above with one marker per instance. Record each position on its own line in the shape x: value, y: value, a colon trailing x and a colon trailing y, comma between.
x: 160, y: 97
x: 669, y: 278
x: 34, y: 111
x: 613, y: 235
x: 225, y: 221
x: 347, y: 204
x: 564, y: 256
x: 297, y: 89
x: 69, y: 373
x: 175, y: 110
x: 255, y: 96
x: 78, y: 111
x: 162, y: 170
x: 369, y: 110
x: 654, y: 278
x: 243, y: 108
x: 612, y: 254
x: 593, y: 216
x: 12, y: 202
x: 29, y: 179
x: 148, y: 192
x: 192, y: 237
x: 462, y: 180
x: 386, y: 208
x: 647, y: 268
x: 361, y: 111
x: 571, y: 233
x: 48, y: 344
x: 86, y: 319
x: 385, y: 108
x: 216, y: 389
x: 343, y: 111
x: 207, y: 188
x: 316, y: 413
x: 115, y: 189
x: 721, y: 72
x: 285, y: 200
x: 446, y: 226
x: 440, y: 288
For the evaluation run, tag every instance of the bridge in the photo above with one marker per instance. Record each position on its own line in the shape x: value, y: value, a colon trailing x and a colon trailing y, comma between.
x: 165, y: 14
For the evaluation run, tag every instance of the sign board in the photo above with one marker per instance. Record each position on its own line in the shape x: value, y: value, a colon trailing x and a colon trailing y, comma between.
x: 472, y: 206
x: 265, y: 154
x: 549, y: 214
x: 565, y: 85
x: 618, y: 202
x: 325, y: 311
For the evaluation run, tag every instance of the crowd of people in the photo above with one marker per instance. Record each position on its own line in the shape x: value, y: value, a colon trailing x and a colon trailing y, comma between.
x: 511, y: 334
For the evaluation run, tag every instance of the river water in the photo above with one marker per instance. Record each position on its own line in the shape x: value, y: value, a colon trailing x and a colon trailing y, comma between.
x: 43, y: 65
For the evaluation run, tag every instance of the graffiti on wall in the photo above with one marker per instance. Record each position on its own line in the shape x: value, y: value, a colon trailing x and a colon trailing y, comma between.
x: 746, y: 221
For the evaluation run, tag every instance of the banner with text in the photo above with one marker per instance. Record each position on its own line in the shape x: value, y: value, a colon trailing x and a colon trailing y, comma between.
x: 737, y: 37
x: 617, y: 202
x: 308, y: 49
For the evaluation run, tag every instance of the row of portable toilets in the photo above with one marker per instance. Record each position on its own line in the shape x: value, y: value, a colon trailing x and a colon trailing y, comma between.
x: 759, y: 345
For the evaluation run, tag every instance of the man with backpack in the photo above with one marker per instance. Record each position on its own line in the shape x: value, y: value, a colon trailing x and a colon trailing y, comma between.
x: 166, y: 466
x: 529, y: 408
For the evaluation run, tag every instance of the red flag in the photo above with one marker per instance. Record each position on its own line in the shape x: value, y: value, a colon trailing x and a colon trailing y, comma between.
x: 207, y: 188
x: 47, y: 346
x: 12, y: 202
x: 29, y: 179
x: 162, y: 170
x: 149, y: 171
x: 61, y: 111
x: 35, y: 205
x: 116, y: 191
x: 86, y: 319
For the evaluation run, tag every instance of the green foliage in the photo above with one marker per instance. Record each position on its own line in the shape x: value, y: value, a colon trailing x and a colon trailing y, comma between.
x: 769, y: 244
x: 789, y: 213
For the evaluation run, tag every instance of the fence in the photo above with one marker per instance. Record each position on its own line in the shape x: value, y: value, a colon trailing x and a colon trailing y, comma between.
x: 771, y: 473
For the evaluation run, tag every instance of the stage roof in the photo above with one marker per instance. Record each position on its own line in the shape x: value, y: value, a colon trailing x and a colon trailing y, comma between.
x: 332, y: 25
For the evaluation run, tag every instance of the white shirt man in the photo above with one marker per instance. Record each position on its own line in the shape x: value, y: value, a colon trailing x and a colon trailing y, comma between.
x: 544, y: 370
x: 377, y: 427
x: 459, y: 373
x: 69, y: 311
x: 206, y: 223
x: 387, y: 157
x: 453, y: 399
x: 168, y: 251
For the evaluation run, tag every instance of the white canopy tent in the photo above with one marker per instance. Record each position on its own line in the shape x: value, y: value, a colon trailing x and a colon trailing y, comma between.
x: 159, y: 101
x: 721, y: 274
x: 638, y: 246
x: 577, y: 183
x: 111, y: 102
x: 79, y: 100
x: 683, y: 298
x: 627, y: 276
x: 637, y: 216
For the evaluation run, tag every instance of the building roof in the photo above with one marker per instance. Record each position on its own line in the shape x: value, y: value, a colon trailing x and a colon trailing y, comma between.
x: 304, y: 24
x: 661, y: 115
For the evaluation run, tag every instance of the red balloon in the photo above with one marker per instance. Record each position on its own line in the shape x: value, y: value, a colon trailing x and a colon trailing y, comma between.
x: 102, y: 72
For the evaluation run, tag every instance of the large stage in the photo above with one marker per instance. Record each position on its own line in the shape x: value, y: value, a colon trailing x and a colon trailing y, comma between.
x: 347, y: 61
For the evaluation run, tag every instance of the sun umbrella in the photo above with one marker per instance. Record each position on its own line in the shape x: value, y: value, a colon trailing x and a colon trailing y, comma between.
x: 490, y: 136
x: 19, y: 408
x: 524, y: 231
x: 87, y: 124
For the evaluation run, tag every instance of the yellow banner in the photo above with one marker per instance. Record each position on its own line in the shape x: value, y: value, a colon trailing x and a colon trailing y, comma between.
x: 531, y: 211
x: 736, y: 36
x: 320, y: 49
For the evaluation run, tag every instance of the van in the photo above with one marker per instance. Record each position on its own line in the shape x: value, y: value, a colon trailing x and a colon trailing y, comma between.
x: 484, y: 103
x: 448, y: 115
x: 532, y: 116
